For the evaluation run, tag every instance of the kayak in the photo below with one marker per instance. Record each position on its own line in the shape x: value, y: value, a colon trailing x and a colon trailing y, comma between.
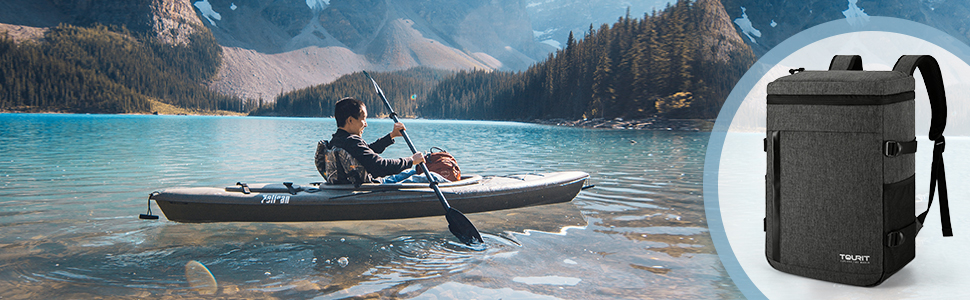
x: 287, y: 202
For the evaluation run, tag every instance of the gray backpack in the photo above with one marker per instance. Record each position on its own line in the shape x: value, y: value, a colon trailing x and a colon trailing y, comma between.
x: 840, y: 186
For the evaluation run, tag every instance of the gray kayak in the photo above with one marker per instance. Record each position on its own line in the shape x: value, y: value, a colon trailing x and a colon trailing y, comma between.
x: 287, y: 202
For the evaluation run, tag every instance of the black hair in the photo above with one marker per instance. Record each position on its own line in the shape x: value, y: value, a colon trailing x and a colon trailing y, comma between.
x: 347, y: 107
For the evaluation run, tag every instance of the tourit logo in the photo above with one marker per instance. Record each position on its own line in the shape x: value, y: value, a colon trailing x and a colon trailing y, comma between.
x: 854, y: 258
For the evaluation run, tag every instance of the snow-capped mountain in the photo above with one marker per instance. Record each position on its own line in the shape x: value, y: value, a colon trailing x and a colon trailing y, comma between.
x: 273, y: 46
x: 767, y: 23
x: 552, y: 20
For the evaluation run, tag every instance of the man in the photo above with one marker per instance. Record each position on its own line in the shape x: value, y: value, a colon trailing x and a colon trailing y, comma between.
x: 351, y: 116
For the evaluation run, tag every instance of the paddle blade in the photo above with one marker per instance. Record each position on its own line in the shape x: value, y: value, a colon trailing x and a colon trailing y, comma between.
x: 462, y: 228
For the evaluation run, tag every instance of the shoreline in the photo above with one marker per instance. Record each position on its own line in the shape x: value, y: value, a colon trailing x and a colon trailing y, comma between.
x: 157, y: 108
x: 660, y: 124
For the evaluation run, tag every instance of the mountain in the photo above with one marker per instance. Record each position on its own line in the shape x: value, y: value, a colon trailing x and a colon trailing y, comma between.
x: 108, y: 57
x: 678, y: 63
x: 771, y: 22
x: 170, y: 21
x: 552, y: 20
x: 274, y: 46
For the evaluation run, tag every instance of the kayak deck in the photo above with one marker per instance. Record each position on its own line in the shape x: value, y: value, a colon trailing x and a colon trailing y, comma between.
x: 293, y: 203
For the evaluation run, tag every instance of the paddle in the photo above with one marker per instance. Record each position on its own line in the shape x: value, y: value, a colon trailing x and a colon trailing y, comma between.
x: 459, y: 225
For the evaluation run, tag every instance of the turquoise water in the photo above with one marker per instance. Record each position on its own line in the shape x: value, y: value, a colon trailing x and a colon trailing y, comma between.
x: 72, y: 186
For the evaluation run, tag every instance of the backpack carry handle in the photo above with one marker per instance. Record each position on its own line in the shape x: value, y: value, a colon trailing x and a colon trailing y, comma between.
x: 846, y: 63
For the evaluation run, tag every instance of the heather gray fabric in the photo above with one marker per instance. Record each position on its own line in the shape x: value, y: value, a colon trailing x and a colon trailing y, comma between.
x: 833, y: 195
x: 899, y: 124
x: 842, y: 83
x: 824, y: 177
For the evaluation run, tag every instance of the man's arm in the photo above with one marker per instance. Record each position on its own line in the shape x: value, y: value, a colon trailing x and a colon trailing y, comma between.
x: 377, y: 166
x: 380, y: 144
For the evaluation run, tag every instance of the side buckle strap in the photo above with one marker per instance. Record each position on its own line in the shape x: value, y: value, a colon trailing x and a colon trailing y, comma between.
x: 896, y: 148
x: 897, y: 238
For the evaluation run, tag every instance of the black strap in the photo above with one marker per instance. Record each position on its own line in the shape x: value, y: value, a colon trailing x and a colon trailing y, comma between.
x: 846, y: 63
x: 937, y: 175
x: 930, y: 69
x: 933, y: 79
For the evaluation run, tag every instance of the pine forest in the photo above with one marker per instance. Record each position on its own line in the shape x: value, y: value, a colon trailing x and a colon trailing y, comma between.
x: 103, y: 69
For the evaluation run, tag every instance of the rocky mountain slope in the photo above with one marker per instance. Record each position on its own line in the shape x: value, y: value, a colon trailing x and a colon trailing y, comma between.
x: 278, y: 46
x: 169, y: 20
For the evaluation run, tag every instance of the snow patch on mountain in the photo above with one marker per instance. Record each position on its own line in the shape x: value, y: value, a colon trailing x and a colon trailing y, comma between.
x: 746, y: 27
x: 206, y: 8
x: 855, y: 15
x: 317, y: 4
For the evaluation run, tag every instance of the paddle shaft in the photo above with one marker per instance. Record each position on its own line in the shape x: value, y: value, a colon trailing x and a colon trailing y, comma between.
x: 424, y: 168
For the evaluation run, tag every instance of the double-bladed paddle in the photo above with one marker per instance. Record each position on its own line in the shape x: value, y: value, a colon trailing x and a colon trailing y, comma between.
x: 459, y: 225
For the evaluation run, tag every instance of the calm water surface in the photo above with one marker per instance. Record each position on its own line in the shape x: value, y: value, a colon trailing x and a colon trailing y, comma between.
x: 72, y: 186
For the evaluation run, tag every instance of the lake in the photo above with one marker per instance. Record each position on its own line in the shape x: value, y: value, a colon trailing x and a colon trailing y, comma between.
x: 72, y: 186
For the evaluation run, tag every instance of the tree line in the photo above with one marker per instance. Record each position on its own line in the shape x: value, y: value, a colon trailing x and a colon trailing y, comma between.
x: 634, y: 68
x: 403, y: 89
x: 108, y: 69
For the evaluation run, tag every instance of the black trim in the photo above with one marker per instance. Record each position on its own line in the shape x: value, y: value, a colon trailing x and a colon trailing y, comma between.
x: 841, y: 99
x: 775, y: 191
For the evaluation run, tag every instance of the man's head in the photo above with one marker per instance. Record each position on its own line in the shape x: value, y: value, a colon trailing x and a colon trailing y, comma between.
x: 351, y: 115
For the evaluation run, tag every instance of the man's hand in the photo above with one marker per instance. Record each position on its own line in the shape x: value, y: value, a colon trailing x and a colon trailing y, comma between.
x: 396, y: 132
x: 417, y: 158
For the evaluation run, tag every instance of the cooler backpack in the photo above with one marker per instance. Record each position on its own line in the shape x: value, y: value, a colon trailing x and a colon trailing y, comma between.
x: 840, y: 186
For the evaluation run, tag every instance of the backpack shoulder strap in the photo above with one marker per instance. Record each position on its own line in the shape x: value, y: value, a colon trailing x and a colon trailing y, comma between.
x: 846, y: 63
x: 933, y: 79
x: 930, y: 69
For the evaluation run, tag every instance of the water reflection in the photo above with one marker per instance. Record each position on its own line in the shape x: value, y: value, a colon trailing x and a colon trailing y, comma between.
x: 70, y: 227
